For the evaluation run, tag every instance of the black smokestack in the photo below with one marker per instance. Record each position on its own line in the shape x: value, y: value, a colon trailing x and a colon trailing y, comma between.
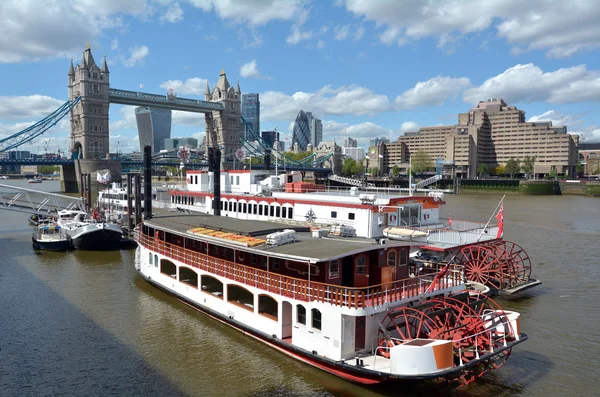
x: 147, y: 182
x: 267, y: 159
x: 214, y: 166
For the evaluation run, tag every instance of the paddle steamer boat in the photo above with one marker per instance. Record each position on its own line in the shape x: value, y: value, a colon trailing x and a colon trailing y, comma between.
x: 341, y: 303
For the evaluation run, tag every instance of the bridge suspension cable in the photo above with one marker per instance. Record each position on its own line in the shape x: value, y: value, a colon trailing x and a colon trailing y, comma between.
x: 37, y: 129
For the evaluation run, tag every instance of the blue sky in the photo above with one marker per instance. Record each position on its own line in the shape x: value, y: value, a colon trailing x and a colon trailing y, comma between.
x: 367, y: 68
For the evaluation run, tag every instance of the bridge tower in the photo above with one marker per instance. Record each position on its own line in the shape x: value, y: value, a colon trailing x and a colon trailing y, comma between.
x: 89, y: 118
x: 224, y: 128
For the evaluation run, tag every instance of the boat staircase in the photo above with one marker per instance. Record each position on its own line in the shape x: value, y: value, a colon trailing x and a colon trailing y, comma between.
x: 428, y: 181
x: 351, y: 181
x: 36, y: 202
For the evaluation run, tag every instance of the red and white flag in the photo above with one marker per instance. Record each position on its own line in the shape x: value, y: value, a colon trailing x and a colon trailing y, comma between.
x: 500, y: 218
x: 449, y: 220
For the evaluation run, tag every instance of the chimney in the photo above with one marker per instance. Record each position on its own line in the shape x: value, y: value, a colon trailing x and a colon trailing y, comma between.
x: 147, y: 182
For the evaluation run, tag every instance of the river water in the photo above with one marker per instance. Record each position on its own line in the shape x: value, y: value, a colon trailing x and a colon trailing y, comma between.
x: 84, y: 323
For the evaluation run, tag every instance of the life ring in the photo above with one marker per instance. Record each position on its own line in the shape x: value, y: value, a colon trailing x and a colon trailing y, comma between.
x: 188, y: 180
x: 241, y: 256
x: 385, y: 343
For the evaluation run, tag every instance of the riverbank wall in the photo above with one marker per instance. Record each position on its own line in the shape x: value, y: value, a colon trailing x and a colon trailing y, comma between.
x: 529, y: 187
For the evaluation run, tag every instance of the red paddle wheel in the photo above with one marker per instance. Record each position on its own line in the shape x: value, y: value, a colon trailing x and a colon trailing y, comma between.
x: 476, y: 325
x: 500, y: 264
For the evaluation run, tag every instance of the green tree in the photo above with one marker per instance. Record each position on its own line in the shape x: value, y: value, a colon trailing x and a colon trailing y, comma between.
x: 395, y: 170
x: 348, y: 167
x: 512, y: 167
x: 528, y: 165
x: 482, y: 169
x: 553, y: 173
x: 499, y: 170
x: 579, y: 169
x: 421, y: 161
x: 48, y: 169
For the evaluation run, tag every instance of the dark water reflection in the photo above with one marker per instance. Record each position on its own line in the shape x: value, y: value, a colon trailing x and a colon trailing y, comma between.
x: 84, y: 323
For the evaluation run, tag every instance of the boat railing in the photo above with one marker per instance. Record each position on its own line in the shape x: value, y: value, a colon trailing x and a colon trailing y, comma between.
x: 305, y: 290
x: 460, y: 232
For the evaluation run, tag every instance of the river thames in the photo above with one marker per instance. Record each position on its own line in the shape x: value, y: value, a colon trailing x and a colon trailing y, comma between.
x: 84, y: 323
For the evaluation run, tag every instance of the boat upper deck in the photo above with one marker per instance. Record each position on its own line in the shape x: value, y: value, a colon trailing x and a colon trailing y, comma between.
x: 230, y: 232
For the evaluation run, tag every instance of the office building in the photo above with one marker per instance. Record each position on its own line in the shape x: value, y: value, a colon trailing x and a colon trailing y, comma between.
x: 175, y: 143
x: 490, y: 133
x: 589, y: 156
x: 251, y: 112
x: 316, y: 129
x: 355, y: 153
x: 377, y: 141
x: 154, y: 126
x: 301, y: 132
x: 270, y: 137
x: 349, y: 142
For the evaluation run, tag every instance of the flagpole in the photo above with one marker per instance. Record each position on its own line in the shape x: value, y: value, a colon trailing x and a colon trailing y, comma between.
x: 489, y: 220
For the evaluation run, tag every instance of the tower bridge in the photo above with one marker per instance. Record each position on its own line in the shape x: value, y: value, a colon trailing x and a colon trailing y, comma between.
x: 90, y: 96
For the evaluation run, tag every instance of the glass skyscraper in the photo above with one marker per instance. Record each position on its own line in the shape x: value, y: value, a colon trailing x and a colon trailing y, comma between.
x: 251, y: 112
x: 154, y: 126
x: 270, y: 137
x: 301, y: 134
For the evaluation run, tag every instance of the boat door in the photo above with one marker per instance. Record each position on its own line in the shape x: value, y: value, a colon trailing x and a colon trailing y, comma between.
x: 286, y: 321
x: 348, y: 332
x: 361, y: 271
x: 359, y: 335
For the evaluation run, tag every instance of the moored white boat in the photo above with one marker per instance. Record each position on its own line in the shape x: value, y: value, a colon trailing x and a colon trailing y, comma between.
x: 87, y: 234
x: 346, y: 305
x: 51, y: 237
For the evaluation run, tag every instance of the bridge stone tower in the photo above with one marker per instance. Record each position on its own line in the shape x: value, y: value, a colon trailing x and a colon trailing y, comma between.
x: 89, y: 127
x: 224, y: 129
x: 89, y: 118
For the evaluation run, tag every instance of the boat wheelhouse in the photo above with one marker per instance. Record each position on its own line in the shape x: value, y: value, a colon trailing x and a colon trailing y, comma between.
x: 346, y: 305
x: 114, y: 199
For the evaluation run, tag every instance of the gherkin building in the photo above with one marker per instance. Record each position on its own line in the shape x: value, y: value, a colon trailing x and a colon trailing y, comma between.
x: 301, y: 134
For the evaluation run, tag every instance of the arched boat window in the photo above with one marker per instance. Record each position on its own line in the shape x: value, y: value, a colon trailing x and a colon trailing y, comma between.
x: 300, y: 314
x: 316, y: 319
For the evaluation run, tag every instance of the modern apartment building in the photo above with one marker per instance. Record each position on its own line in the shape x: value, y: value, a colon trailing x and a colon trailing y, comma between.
x: 355, y: 153
x: 349, y: 142
x: 154, y: 126
x: 251, y: 111
x: 490, y: 133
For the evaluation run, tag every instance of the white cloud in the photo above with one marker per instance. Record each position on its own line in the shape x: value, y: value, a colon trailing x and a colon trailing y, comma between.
x: 18, y: 107
x: 194, y: 86
x: 409, y: 126
x: 255, y: 12
x: 529, y: 83
x: 575, y: 124
x: 358, y: 33
x: 249, y: 37
x: 249, y: 69
x: 137, y: 55
x: 296, y: 36
x: 434, y: 91
x: 558, y: 27
x: 173, y: 14
x: 340, y: 32
x: 114, y: 44
x: 56, y: 29
x: 320, y: 44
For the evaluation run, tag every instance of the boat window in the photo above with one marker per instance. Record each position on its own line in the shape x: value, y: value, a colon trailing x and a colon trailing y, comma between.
x: 361, y: 264
x: 275, y: 264
x: 334, y: 268
x: 253, y: 259
x: 240, y: 296
x: 156, y: 260
x: 271, y: 210
x: 260, y: 209
x: 284, y: 212
x: 237, y: 180
x: 188, y: 276
x: 391, y: 258
x: 267, y: 306
x: 212, y: 286
x: 254, y: 208
x: 300, y: 314
x: 290, y: 213
x: 334, y: 214
x: 196, y: 177
x: 169, y: 268
x: 278, y: 212
x: 351, y: 216
x: 245, y: 208
x: 403, y: 257
x: 316, y: 319
x: 150, y: 258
